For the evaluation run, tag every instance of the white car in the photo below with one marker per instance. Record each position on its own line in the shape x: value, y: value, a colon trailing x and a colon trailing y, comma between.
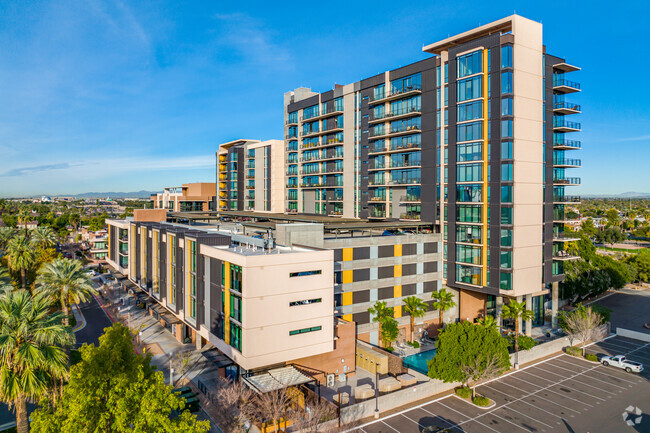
x: 621, y: 362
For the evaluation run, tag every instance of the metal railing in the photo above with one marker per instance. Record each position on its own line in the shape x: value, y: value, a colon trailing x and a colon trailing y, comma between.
x: 566, y: 199
x: 563, y: 82
x: 567, y: 106
x: 394, y: 92
x: 567, y: 161
x: 575, y: 144
x: 410, y: 198
x: 399, y: 112
x: 396, y: 130
x: 567, y: 180
x: 561, y: 123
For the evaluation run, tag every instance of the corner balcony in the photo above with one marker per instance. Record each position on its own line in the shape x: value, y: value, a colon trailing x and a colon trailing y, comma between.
x: 566, y: 181
x: 565, y: 67
x: 563, y: 85
x: 563, y: 144
x: 567, y: 163
x: 291, y: 122
x: 561, y: 125
x: 566, y: 108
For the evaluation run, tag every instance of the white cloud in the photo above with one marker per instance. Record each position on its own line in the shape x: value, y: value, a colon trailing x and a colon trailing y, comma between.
x: 639, y: 138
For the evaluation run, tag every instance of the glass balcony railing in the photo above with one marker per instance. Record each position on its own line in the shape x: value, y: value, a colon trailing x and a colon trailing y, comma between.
x: 395, y: 130
x: 566, y: 199
x: 566, y: 106
x: 563, y: 82
x: 394, y: 92
x: 567, y: 162
x: 398, y: 112
x: 405, y: 164
x: 410, y: 198
x: 559, y: 123
x: 567, y: 144
x: 394, y: 147
x: 566, y: 180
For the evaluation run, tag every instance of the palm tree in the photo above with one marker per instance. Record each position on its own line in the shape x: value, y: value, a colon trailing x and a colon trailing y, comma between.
x: 64, y: 281
x: 24, y: 217
x: 415, y: 307
x: 444, y: 300
x: 5, y: 280
x: 6, y: 233
x: 517, y: 310
x: 31, y: 354
x: 489, y: 322
x: 380, y: 312
x: 44, y: 236
x: 21, y: 256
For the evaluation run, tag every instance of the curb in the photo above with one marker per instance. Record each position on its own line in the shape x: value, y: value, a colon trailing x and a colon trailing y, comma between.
x: 470, y: 402
x: 83, y: 319
x: 101, y: 304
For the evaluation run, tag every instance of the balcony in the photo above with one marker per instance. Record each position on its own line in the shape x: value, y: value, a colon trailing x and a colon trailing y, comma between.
x: 395, y: 94
x: 323, y: 143
x: 325, y: 157
x: 410, y: 199
x: 333, y: 112
x: 566, y: 108
x: 292, y: 148
x: 292, y: 173
x: 568, y: 199
x: 567, y: 163
x: 335, y: 128
x: 563, y: 85
x: 250, y: 186
x: 562, y: 144
x: 410, y: 217
x: 377, y: 214
x: 565, y: 67
x: 291, y: 135
x: 335, y: 213
x: 392, y: 149
x: 561, y: 125
x: 404, y: 164
x: 564, y: 237
x: 567, y: 181
x: 564, y: 256
x: 378, y: 199
x: 250, y: 176
x: 291, y: 122
x: 397, y: 114
x: 390, y: 132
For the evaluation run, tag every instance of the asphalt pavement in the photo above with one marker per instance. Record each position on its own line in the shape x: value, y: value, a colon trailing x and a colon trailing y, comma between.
x: 630, y: 309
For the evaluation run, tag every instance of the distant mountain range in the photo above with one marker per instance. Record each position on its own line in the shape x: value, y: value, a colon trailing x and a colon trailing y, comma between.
x: 135, y: 194
x: 630, y: 194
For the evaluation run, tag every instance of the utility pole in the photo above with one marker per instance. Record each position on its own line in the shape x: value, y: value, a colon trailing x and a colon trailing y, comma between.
x: 376, y: 392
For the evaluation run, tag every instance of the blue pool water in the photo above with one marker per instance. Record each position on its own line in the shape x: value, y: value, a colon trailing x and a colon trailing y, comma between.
x: 418, y: 362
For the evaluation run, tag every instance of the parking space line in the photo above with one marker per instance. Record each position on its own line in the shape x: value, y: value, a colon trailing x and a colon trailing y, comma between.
x: 483, y: 424
x: 548, y: 388
x: 451, y: 408
x: 390, y: 426
x: 516, y: 425
x: 637, y: 349
x: 530, y: 404
x: 420, y: 426
x: 605, y: 345
x: 577, y: 390
x: 447, y: 421
x: 614, y: 376
x: 544, y: 398
x: 528, y: 416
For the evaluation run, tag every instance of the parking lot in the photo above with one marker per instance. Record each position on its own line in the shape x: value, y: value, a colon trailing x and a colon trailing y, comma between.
x: 563, y: 394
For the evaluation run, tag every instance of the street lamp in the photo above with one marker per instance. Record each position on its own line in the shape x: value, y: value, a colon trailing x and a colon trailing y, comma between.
x: 376, y: 392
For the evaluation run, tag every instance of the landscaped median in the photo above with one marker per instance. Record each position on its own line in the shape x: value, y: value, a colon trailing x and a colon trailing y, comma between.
x: 466, y: 393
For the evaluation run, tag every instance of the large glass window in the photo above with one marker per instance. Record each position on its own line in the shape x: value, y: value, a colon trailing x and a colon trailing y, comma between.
x: 235, y: 277
x: 505, y: 281
x: 310, y: 112
x: 469, y: 172
x: 506, y: 150
x: 468, y: 233
x: 506, y: 172
x: 468, y: 193
x: 506, y: 128
x: 470, y: 111
x: 469, y: 89
x: 468, y: 213
x: 506, y: 194
x: 235, y: 307
x: 469, y: 152
x: 506, y: 237
x: 468, y: 254
x: 506, y: 56
x: 469, y: 64
x: 380, y: 91
x: 506, y: 259
x: 506, y: 107
x: 468, y: 274
x: 506, y: 82
x: 406, y: 84
x: 469, y: 131
x: 506, y: 215
x: 235, y: 336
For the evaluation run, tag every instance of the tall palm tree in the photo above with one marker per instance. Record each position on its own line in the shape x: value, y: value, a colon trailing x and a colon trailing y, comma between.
x: 489, y: 322
x: 380, y: 313
x: 44, y: 236
x: 31, y: 354
x: 415, y: 307
x: 64, y: 281
x: 517, y: 310
x: 444, y: 300
x: 5, y: 280
x: 6, y: 233
x: 21, y: 256
x: 24, y: 217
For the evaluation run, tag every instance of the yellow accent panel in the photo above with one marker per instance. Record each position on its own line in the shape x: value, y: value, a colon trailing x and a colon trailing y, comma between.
x: 226, y: 303
x: 347, y: 254
x: 484, y: 213
x: 397, y: 271
x: 347, y: 317
x: 397, y: 293
x: 397, y: 311
x: 346, y: 298
x: 398, y: 250
x: 347, y: 276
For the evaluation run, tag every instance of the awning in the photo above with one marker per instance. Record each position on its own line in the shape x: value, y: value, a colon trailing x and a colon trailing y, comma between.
x: 278, y: 378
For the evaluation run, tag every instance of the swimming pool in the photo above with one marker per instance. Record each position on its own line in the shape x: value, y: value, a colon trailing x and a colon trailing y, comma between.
x: 418, y: 362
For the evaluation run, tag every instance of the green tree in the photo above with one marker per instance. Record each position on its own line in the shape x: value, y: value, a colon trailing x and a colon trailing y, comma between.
x: 444, y: 300
x: 5, y: 280
x: 389, y: 331
x: 612, y: 218
x: 380, y: 312
x: 6, y: 234
x: 30, y: 350
x: 641, y: 264
x: 21, y: 256
x: 459, y: 347
x: 97, y: 223
x: 64, y: 281
x: 489, y: 322
x: 415, y: 307
x: 588, y: 227
x: 115, y: 390
x: 517, y: 310
x: 44, y: 236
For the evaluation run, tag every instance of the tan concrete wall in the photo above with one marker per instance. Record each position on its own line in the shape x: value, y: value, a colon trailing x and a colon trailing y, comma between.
x: 150, y: 215
x: 472, y: 304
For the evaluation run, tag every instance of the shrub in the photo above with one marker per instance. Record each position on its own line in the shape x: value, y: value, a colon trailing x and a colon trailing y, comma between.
x: 525, y: 342
x: 591, y: 357
x: 389, y: 349
x: 72, y: 321
x: 414, y: 344
x: 479, y: 400
x: 573, y: 351
x: 75, y: 357
x: 464, y: 392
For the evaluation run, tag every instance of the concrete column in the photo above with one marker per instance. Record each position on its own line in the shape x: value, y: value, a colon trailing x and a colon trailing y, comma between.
x: 499, y: 300
x: 529, y: 306
x: 555, y: 292
x: 519, y: 322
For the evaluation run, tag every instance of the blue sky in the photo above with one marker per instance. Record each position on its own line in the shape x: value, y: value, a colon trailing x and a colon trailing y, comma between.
x: 122, y: 96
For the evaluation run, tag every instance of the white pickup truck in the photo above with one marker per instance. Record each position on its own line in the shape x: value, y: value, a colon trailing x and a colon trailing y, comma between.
x: 621, y: 362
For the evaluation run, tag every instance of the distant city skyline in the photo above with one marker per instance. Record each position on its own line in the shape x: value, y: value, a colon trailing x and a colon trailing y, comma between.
x: 114, y: 97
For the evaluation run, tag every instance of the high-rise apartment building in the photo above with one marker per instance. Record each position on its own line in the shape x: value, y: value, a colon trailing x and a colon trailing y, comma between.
x: 189, y: 197
x: 250, y: 176
x: 474, y: 139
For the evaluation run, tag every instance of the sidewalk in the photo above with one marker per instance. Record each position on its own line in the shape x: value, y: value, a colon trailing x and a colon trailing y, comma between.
x: 79, y: 317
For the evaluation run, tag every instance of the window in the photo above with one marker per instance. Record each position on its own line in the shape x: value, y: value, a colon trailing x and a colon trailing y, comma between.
x: 469, y: 131
x: 235, y: 336
x: 468, y: 254
x: 469, y: 152
x: 469, y: 64
x: 310, y: 112
x: 406, y: 84
x: 380, y: 91
x: 469, y: 172
x: 467, y: 233
x: 506, y: 56
x: 305, y: 330
x: 305, y: 273
x: 468, y: 193
x: 506, y: 215
x: 305, y: 302
x: 235, y: 277
x: 470, y: 111
x: 293, y: 117
x: 235, y: 307
x: 506, y: 238
x: 468, y: 213
x: 506, y: 150
x: 468, y: 274
x: 506, y: 82
x: 192, y: 308
x: 505, y: 281
x: 506, y: 194
x: 506, y: 172
x: 469, y: 89
x: 506, y: 259
x: 506, y: 107
x: 506, y: 128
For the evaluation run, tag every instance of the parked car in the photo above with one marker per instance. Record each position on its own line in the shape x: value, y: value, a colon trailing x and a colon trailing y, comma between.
x: 621, y: 361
